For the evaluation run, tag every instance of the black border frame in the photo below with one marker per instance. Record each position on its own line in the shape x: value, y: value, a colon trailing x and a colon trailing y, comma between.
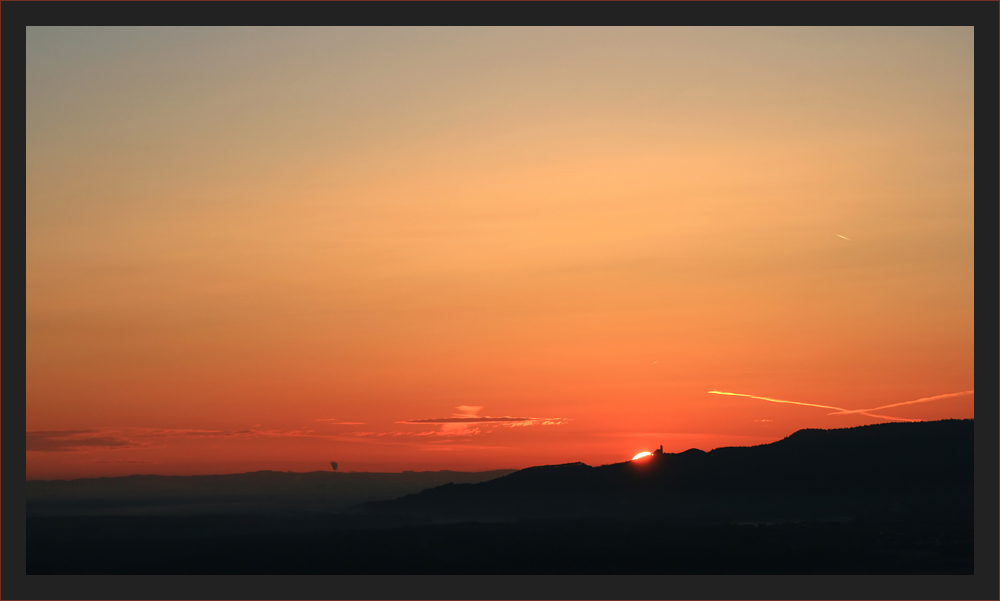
x: 983, y: 585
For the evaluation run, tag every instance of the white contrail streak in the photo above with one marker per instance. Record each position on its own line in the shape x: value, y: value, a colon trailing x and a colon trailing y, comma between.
x: 838, y: 412
x: 924, y: 400
x: 842, y: 411
x: 764, y: 398
x: 844, y: 237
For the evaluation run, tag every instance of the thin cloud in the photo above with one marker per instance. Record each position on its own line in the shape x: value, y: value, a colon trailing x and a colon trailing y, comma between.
x: 73, y: 440
x: 468, y: 420
x: 843, y: 411
x: 448, y: 430
x: 459, y: 424
x: 644, y: 434
x: 500, y: 421
x: 130, y: 438
x: 193, y: 433
x: 396, y: 433
x: 464, y: 424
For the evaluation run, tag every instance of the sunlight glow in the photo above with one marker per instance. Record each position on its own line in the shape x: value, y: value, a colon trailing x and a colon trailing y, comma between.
x: 641, y: 455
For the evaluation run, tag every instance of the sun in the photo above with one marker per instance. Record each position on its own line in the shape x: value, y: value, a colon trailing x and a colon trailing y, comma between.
x: 641, y: 455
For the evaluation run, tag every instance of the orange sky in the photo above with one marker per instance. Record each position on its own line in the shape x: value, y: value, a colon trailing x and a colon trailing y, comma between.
x: 272, y: 248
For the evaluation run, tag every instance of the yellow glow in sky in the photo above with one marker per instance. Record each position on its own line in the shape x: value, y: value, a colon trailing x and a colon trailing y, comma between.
x: 234, y: 233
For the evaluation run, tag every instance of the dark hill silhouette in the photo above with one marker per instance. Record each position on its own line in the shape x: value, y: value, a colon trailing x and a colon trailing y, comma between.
x: 263, y: 492
x: 812, y: 474
x: 884, y: 499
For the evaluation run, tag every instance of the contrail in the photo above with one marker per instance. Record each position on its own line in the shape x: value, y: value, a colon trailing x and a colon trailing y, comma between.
x: 844, y: 237
x: 764, y: 398
x: 924, y: 400
x: 842, y: 411
x: 839, y: 409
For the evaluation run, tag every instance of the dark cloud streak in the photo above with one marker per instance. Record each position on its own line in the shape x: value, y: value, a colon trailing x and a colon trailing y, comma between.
x: 469, y: 420
x: 72, y: 440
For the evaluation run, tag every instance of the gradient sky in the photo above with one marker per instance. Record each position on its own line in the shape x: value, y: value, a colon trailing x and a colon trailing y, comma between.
x: 480, y: 248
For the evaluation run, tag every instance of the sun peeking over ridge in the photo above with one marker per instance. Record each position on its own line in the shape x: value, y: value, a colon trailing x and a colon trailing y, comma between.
x: 263, y: 264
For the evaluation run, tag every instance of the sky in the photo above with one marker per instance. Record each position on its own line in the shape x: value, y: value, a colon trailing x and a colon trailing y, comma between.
x: 485, y: 248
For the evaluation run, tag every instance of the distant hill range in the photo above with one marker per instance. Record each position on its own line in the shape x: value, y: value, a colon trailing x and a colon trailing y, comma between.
x: 892, y: 498
x: 263, y: 492
x: 878, y: 471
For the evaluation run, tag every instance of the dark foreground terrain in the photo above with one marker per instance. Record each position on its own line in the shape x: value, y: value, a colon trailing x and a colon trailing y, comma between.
x: 273, y: 545
x: 922, y: 468
x: 884, y: 499
x: 253, y: 493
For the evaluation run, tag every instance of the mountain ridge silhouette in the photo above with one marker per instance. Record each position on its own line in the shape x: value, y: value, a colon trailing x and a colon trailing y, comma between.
x: 258, y: 492
x: 884, y: 499
x: 810, y: 474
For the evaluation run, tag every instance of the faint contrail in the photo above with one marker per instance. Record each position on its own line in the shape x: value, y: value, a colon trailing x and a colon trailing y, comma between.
x: 842, y: 411
x: 924, y: 400
x: 764, y: 398
x: 839, y: 409
x: 844, y: 237
x: 888, y: 417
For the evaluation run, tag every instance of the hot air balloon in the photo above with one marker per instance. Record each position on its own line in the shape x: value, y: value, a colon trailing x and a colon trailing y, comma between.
x: 333, y: 464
